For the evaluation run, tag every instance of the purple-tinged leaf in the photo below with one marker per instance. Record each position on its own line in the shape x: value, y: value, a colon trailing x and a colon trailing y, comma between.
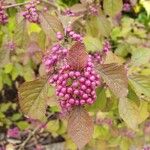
x: 80, y: 126
x: 77, y: 57
x: 115, y: 77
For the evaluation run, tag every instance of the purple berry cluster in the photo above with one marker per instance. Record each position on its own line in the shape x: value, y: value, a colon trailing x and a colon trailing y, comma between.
x: 106, y: 46
x: 76, y: 88
x: 13, y: 133
x: 73, y: 35
x: 96, y: 57
x: 55, y: 54
x: 31, y: 13
x: 93, y: 10
x: 127, y: 7
x: 68, y: 12
x: 127, y: 133
x: 59, y: 35
x: 146, y: 147
x: 104, y: 121
x: 3, y: 16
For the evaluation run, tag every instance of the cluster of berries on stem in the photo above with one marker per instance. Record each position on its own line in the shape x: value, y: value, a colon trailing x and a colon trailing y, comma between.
x: 106, y: 46
x: 31, y: 13
x: 3, y: 15
x: 74, y: 87
x: 73, y: 35
x: 53, y: 56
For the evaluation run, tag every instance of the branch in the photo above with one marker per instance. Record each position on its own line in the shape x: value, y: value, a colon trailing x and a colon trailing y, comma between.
x: 33, y: 133
x: 15, y: 5
x: 20, y: 4
x: 28, y: 138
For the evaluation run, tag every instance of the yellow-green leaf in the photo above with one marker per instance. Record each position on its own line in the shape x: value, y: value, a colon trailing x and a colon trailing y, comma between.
x: 112, y: 7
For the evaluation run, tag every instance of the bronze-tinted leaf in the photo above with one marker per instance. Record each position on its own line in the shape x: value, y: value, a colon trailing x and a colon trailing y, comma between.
x: 78, y: 8
x: 77, y: 57
x: 115, y: 77
x: 80, y: 126
x: 32, y: 98
x: 51, y: 25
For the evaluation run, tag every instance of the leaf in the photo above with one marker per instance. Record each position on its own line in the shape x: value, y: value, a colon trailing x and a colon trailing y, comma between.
x: 23, y: 125
x: 32, y: 97
x: 113, y: 58
x: 132, y: 114
x: 146, y: 5
x: 78, y: 8
x: 140, y: 56
x: 21, y: 35
x: 51, y: 25
x: 143, y: 111
x: 112, y: 7
x: 115, y: 77
x: 141, y: 84
x: 98, y: 26
x: 8, y: 68
x: 100, y: 102
x: 77, y: 56
x: 104, y: 26
x: 129, y: 113
x: 52, y: 126
x: 4, y: 56
x: 92, y: 43
x: 80, y: 126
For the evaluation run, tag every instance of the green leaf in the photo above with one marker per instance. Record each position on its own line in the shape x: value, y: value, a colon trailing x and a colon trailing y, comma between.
x: 113, y: 58
x: 104, y: 26
x: 140, y: 56
x: 146, y: 5
x: 16, y: 117
x: 112, y: 7
x: 115, y: 77
x: 129, y: 112
x: 23, y: 125
x: 100, y: 102
x: 4, y: 107
x: 4, y: 56
x: 92, y: 43
x: 51, y: 25
x: 21, y: 34
x: 124, y: 144
x: 143, y: 111
x: 52, y: 126
x: 8, y: 68
x: 98, y: 26
x: 32, y: 98
x: 80, y: 126
x: 141, y: 84
x: 101, y: 132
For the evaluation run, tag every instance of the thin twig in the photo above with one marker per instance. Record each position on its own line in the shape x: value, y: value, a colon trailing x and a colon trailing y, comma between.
x: 28, y: 138
x: 33, y: 133
x: 15, y: 5
x: 20, y: 4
